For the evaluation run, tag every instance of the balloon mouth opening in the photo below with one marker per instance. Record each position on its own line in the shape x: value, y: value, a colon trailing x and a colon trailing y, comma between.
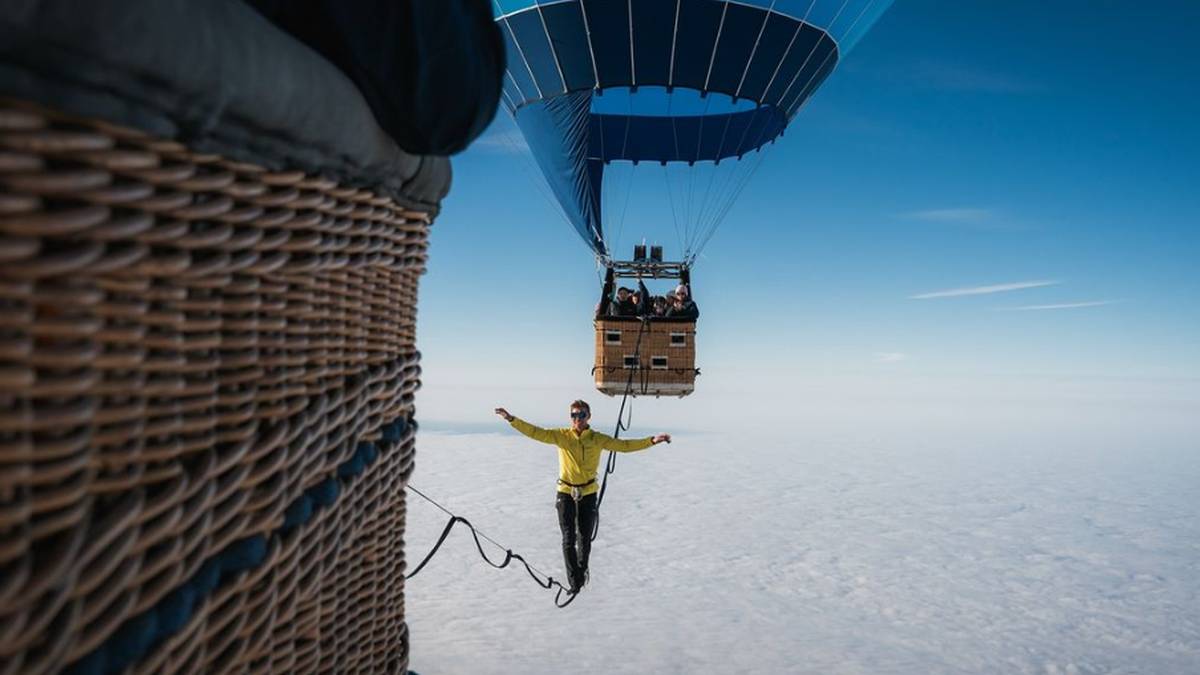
x: 668, y: 101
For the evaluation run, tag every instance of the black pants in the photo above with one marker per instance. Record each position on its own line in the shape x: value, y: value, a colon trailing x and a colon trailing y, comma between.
x: 576, y: 520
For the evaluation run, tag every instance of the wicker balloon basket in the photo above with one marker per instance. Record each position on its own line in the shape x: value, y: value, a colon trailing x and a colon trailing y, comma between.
x: 207, y: 373
x: 662, y: 362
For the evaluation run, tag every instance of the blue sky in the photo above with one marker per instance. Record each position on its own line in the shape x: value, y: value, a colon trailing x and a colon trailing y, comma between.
x: 1049, y: 149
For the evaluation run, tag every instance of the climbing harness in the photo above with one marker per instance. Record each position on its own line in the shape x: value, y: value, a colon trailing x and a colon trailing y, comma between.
x: 576, y: 488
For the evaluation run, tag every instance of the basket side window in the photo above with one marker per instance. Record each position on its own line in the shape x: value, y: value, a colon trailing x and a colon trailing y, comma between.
x: 678, y: 339
x: 658, y: 362
x: 631, y: 361
x: 612, y: 337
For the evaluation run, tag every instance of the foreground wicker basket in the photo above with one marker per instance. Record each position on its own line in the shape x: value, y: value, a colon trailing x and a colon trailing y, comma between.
x: 663, y: 363
x: 189, y: 348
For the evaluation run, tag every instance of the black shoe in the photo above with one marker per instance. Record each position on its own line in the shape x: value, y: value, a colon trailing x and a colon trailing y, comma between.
x: 579, y: 581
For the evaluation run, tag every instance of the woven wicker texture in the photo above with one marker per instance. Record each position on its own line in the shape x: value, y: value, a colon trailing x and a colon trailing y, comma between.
x: 186, y: 346
x: 673, y: 340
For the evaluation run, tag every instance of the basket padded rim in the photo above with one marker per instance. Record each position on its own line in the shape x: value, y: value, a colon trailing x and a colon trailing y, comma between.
x: 215, y: 76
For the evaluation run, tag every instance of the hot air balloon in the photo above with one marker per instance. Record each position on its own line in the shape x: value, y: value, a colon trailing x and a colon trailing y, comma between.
x: 695, y: 88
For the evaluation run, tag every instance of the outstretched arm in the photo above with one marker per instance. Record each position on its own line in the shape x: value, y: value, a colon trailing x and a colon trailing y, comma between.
x: 535, y: 432
x: 635, y: 444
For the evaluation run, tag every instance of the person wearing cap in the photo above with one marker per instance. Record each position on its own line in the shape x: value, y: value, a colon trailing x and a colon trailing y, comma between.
x: 682, y: 306
x: 624, y: 305
x: 579, y: 448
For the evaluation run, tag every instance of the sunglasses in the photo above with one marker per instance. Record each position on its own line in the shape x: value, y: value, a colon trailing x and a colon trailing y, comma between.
x: 580, y: 415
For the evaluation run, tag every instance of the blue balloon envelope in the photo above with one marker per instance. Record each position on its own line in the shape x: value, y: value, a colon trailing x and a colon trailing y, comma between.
x: 688, y: 83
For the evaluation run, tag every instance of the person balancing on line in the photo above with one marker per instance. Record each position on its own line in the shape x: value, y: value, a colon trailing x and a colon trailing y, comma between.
x: 579, y: 449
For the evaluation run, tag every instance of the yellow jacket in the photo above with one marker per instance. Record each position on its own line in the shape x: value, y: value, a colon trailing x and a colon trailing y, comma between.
x: 579, y: 454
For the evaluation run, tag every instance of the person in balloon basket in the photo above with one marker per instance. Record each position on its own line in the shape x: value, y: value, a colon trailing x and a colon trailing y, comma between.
x: 579, y: 448
x: 624, y: 305
x: 660, y: 306
x: 682, y: 306
x: 643, y: 302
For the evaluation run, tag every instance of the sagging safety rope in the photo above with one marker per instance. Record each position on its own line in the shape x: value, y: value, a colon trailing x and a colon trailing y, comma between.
x: 563, y: 596
x: 541, y: 578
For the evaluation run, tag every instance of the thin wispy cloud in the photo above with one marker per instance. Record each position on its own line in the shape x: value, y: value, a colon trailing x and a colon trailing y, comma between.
x: 982, y: 290
x: 961, y: 77
x: 890, y: 357
x: 955, y: 76
x: 1061, y: 305
x: 968, y: 216
x: 849, y: 120
x: 504, y: 142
